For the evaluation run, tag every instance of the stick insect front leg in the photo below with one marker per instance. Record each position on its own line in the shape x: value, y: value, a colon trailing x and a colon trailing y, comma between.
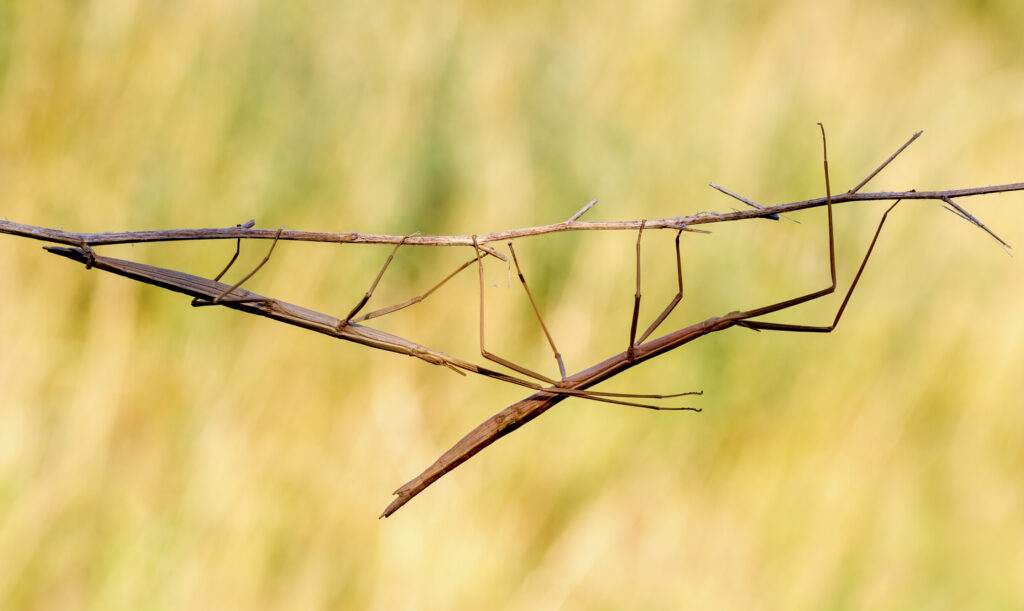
x: 196, y: 302
x: 223, y: 297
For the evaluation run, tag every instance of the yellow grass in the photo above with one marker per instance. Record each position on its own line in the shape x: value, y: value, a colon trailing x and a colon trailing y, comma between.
x: 155, y: 456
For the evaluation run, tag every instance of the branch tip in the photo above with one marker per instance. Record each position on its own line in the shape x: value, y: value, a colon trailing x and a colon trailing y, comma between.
x: 582, y: 211
x: 885, y: 163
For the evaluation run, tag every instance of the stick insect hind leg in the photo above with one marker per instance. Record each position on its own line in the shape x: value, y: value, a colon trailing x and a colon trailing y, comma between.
x: 759, y: 325
x: 744, y: 318
x: 554, y: 388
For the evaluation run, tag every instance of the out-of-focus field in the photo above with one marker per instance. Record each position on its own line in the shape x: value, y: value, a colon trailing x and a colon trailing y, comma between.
x: 157, y: 456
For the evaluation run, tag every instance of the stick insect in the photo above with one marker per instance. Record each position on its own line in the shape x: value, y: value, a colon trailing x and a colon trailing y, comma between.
x: 547, y: 391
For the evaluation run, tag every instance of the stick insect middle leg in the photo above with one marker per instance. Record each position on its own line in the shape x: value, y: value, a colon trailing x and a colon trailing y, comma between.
x: 607, y: 397
x: 413, y: 300
x: 495, y: 358
x: 369, y: 292
x: 352, y: 318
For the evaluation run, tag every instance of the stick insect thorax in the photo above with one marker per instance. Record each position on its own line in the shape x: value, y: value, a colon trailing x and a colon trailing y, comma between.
x: 247, y: 301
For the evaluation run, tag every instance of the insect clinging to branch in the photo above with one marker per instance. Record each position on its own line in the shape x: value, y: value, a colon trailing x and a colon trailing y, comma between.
x: 547, y: 391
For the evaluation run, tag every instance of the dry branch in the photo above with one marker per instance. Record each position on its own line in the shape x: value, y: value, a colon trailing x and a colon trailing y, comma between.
x: 71, y: 238
x: 547, y: 392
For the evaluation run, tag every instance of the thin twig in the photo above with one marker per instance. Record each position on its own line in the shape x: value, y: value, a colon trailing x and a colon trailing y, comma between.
x: 955, y: 209
x: 746, y: 201
x: 582, y: 211
x: 685, y: 223
x: 886, y: 162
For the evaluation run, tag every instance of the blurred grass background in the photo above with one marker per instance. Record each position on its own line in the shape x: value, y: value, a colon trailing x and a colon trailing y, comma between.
x: 155, y: 456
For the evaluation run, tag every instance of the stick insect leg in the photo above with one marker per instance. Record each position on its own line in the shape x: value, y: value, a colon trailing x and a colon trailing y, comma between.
x: 636, y: 296
x: 675, y: 300
x: 238, y: 248
x: 413, y: 300
x: 483, y: 351
x: 223, y: 297
x: 831, y: 255
x: 89, y: 253
x: 259, y: 266
x: 369, y: 292
x: 606, y: 397
x: 773, y: 326
x: 782, y: 305
x: 551, y: 342
x: 234, y: 257
x: 418, y: 298
x: 196, y: 301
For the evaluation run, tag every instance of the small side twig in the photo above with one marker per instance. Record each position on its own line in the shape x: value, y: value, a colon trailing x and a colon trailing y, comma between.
x: 746, y: 201
x: 582, y: 211
x: 885, y: 163
x: 957, y: 210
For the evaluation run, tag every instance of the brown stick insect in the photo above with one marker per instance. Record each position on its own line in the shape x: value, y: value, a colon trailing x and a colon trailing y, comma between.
x: 548, y: 392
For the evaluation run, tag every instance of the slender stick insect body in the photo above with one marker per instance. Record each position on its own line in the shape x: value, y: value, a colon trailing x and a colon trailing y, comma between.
x: 548, y: 392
